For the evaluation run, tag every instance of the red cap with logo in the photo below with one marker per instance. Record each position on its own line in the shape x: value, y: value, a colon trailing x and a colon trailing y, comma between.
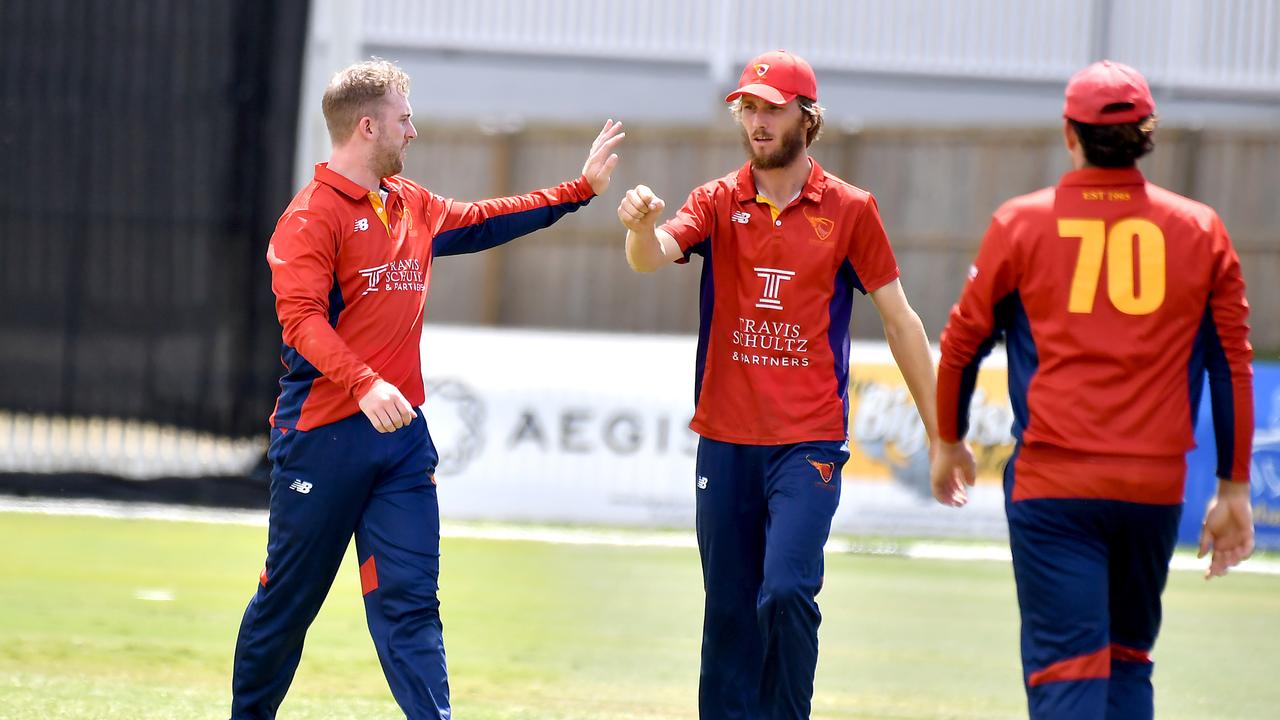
x: 776, y: 77
x: 1108, y: 93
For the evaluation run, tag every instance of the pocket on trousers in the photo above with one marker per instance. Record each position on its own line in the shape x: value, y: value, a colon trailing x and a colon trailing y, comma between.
x: 281, y: 446
x: 433, y: 455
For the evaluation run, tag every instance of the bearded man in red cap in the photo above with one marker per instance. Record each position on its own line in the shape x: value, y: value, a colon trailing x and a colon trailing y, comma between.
x: 784, y: 245
x: 1114, y: 297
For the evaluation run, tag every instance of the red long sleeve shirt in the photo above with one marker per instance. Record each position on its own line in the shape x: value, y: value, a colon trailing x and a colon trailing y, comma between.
x: 1114, y: 296
x: 350, y: 273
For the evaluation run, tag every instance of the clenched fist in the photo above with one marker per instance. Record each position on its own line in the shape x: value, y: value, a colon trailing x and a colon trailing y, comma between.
x: 640, y: 208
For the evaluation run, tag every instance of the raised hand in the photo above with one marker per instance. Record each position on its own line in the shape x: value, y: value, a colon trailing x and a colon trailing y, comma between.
x: 386, y: 408
x: 953, y: 467
x: 640, y: 208
x: 602, y: 160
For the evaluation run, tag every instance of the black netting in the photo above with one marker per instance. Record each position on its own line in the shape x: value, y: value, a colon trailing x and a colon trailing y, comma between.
x: 147, y: 148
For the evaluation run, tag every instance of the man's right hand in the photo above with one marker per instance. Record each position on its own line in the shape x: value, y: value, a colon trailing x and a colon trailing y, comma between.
x: 386, y: 408
x: 953, y: 468
x: 639, y: 209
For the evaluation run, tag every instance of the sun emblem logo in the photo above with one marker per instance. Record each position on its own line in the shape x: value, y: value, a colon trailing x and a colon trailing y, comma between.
x: 826, y: 470
x: 821, y: 226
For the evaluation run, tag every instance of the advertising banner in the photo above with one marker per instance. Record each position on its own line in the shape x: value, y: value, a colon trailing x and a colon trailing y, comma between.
x: 1264, y: 470
x: 593, y: 428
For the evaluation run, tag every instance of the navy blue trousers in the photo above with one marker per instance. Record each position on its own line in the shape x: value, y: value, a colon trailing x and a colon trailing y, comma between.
x: 763, y: 516
x: 1089, y: 576
x: 326, y: 485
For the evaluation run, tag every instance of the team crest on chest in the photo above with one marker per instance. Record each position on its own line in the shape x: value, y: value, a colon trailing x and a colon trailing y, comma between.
x: 822, y: 227
x: 406, y: 219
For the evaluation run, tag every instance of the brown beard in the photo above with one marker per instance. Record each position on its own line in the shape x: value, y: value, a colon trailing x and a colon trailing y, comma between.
x: 791, y: 147
x: 388, y: 163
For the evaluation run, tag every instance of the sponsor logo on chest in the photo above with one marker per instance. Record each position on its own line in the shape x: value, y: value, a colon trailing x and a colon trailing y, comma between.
x: 773, y: 279
x: 767, y: 342
x: 396, y: 276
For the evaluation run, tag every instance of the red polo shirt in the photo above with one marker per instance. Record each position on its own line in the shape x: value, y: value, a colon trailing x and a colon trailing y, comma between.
x: 350, y: 273
x: 777, y: 294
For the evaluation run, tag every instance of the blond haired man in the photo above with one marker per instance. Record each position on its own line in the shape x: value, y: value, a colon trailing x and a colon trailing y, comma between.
x: 351, y: 261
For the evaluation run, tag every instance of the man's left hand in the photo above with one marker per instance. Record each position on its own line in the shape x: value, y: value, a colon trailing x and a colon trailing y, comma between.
x: 602, y: 160
x: 1228, y: 528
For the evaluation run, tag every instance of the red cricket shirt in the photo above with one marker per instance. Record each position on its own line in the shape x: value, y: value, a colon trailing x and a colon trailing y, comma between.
x: 777, y: 293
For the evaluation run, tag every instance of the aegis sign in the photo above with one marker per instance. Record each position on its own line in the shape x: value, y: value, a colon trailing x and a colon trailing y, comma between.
x: 594, y: 428
x: 463, y: 430
x: 619, y: 431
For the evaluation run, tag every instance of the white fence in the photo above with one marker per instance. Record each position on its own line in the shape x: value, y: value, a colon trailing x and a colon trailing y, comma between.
x: 1231, y: 46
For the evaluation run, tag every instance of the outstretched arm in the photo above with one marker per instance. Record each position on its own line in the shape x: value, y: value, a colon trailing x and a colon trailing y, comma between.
x: 468, y: 227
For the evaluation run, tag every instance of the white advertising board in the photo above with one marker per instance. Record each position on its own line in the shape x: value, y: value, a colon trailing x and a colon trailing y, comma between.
x: 593, y: 429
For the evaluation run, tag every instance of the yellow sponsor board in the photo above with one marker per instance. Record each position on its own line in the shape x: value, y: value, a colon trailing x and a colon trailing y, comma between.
x: 887, y: 440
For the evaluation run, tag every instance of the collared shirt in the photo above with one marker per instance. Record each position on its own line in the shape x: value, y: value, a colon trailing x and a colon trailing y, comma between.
x: 1113, y: 295
x: 777, y: 294
x: 350, y: 273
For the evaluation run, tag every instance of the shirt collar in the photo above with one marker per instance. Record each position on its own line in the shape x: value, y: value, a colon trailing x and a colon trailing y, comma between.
x: 1094, y: 176
x: 349, y: 187
x: 341, y: 183
x: 745, y: 187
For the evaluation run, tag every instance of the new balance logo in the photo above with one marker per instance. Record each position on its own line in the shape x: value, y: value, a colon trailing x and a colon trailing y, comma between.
x: 773, y: 280
x: 362, y: 224
x: 702, y: 482
x: 740, y: 217
x: 300, y: 486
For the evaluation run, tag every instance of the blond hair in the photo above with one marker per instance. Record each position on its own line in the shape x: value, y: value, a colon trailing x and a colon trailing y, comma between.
x: 354, y: 93
x: 811, y: 109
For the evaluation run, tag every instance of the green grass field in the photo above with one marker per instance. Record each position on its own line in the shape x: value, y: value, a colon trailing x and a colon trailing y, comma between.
x: 536, y: 630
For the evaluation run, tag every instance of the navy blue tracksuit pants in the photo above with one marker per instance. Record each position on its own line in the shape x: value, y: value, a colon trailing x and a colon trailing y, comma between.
x: 1089, y: 576
x: 327, y: 484
x: 763, y: 517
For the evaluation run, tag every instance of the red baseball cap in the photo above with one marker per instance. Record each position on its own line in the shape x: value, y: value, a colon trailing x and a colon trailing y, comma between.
x: 776, y: 77
x: 1108, y: 93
